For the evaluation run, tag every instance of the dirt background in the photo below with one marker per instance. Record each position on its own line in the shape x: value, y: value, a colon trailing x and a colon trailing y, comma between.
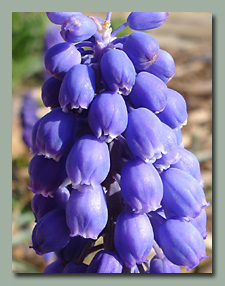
x: 187, y: 36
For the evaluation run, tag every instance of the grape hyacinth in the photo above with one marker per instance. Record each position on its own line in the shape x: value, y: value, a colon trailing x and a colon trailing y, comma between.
x: 110, y: 175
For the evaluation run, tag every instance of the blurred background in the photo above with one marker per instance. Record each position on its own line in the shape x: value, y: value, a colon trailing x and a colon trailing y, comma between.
x: 187, y: 36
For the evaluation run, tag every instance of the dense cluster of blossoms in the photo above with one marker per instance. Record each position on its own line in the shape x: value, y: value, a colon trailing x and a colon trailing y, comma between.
x: 108, y: 159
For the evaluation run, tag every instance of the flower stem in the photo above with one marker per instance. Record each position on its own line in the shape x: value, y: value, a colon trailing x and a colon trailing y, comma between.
x: 84, y: 44
x: 119, y: 40
x: 118, y: 29
x: 96, y: 248
x: 108, y: 17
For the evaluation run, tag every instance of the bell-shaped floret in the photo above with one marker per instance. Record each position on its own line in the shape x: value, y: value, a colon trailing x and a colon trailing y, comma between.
x: 55, y: 134
x: 189, y: 163
x: 117, y: 71
x: 55, y: 267
x: 50, y: 92
x: 142, y: 49
x: 51, y: 233
x: 87, y: 213
x: 146, y: 20
x: 133, y: 238
x: 72, y: 250
x: 78, y: 88
x: 149, y: 91
x: 60, y: 58
x: 77, y: 28
x: 182, y: 243
x: 51, y: 37
x: 41, y: 205
x: 175, y: 113
x: 145, y: 135
x: 183, y: 196
x: 172, y: 154
x: 200, y: 223
x: 73, y: 267
x: 163, y: 67
x: 59, y: 17
x: 163, y: 265
x: 46, y: 175
x: 108, y: 116
x: 141, y: 186
x: 88, y: 162
x: 105, y: 262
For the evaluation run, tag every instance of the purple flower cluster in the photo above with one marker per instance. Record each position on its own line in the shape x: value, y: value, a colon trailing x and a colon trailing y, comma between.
x: 108, y: 160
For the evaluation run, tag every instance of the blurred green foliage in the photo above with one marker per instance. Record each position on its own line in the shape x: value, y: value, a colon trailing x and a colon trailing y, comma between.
x: 116, y: 22
x: 28, y: 30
